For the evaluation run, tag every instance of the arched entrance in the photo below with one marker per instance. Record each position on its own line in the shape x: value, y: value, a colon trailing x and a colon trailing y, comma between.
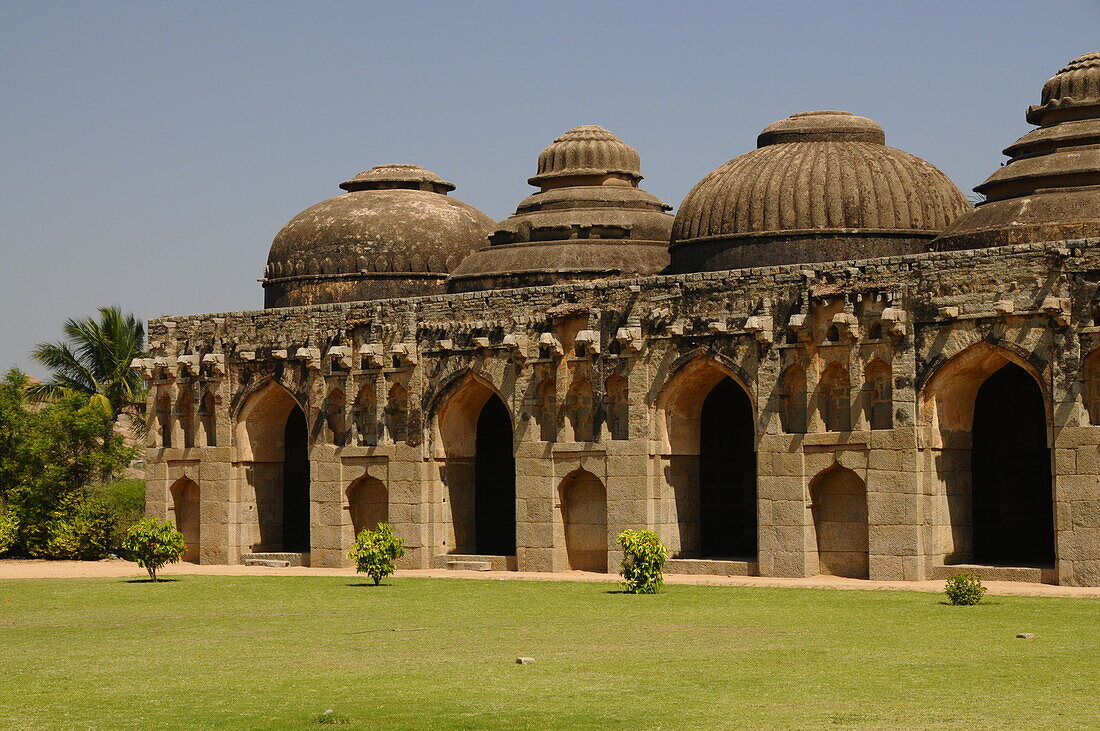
x: 494, y: 481
x: 708, y: 428
x: 273, y: 449
x: 368, y: 502
x: 296, y: 483
x: 839, y: 506
x: 727, y: 474
x: 478, y: 470
x: 1013, y: 515
x: 986, y: 411
x: 583, y: 502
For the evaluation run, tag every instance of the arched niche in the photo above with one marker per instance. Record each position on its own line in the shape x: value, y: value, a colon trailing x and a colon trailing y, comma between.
x: 681, y: 401
x: 368, y: 503
x: 878, y: 394
x: 185, y: 513
x: 582, y: 506
x: 838, y: 502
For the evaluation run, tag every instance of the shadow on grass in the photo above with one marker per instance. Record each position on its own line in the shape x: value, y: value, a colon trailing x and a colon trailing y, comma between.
x: 150, y: 581
x: 370, y: 584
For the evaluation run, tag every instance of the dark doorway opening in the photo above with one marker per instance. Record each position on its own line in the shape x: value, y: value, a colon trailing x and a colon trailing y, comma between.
x: 296, y: 483
x: 1013, y: 512
x: 727, y: 474
x: 495, y: 481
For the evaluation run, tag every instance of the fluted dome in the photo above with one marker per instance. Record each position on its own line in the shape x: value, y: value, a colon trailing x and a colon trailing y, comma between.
x: 1050, y: 188
x: 584, y: 151
x: 589, y: 221
x: 394, y: 233
x: 821, y: 186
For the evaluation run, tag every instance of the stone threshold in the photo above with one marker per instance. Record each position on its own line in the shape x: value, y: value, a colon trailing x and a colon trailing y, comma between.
x: 711, y: 567
x: 474, y: 562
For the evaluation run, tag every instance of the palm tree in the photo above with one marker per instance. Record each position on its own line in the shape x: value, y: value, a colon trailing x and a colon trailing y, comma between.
x: 95, y: 358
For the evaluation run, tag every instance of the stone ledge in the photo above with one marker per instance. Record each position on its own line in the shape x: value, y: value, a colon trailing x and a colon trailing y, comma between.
x: 711, y: 567
x: 495, y: 563
x: 1025, y: 574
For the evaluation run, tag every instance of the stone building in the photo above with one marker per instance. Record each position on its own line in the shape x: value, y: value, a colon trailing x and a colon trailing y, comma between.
x: 827, y: 362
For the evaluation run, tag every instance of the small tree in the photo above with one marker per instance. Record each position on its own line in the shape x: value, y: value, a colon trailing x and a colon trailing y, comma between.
x: 375, y: 551
x: 643, y: 561
x: 964, y: 589
x: 153, y: 545
x: 9, y: 530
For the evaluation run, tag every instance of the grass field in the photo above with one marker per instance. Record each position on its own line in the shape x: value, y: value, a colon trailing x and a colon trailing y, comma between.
x: 258, y: 652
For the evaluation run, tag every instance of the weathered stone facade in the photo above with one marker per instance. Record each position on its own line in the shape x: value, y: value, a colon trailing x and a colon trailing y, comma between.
x: 853, y: 417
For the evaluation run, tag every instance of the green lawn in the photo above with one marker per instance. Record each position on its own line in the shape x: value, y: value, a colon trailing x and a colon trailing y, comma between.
x: 259, y: 652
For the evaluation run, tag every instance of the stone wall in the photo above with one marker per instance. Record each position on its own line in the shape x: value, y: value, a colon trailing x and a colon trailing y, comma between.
x: 866, y: 366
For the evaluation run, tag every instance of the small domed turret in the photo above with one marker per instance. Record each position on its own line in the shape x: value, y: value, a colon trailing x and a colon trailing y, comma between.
x: 589, y: 221
x: 1049, y: 190
x: 394, y: 233
x: 821, y: 186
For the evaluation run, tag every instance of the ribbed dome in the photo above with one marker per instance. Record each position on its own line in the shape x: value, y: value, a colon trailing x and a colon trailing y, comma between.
x: 822, y: 186
x: 395, y: 233
x: 1050, y: 188
x: 589, y: 221
x: 584, y: 151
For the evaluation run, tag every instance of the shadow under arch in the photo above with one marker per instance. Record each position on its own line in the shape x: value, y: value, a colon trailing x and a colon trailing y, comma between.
x: 272, y: 440
x: 476, y: 443
x: 185, y: 511
x: 988, y: 415
x: 707, y: 431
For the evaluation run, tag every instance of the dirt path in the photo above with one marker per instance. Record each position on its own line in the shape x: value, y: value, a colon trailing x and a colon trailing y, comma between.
x: 17, y: 569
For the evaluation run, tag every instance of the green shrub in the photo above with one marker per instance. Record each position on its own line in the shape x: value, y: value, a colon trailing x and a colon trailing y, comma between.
x: 643, y: 561
x: 153, y: 545
x: 9, y: 530
x: 124, y: 498
x: 964, y: 589
x: 88, y: 533
x: 375, y: 551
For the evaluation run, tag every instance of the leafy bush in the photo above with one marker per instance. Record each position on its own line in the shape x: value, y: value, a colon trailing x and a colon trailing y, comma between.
x: 964, y: 589
x: 375, y: 551
x: 153, y: 545
x: 643, y: 561
x: 9, y: 530
x: 87, y: 534
x: 124, y: 498
x: 49, y: 454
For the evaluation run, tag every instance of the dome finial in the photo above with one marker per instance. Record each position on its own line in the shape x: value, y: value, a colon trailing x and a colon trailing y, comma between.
x: 587, y: 151
x: 1076, y: 87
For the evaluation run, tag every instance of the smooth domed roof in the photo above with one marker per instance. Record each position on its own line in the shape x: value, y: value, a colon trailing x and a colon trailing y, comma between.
x: 395, y: 233
x: 589, y: 221
x: 1050, y: 188
x: 821, y: 186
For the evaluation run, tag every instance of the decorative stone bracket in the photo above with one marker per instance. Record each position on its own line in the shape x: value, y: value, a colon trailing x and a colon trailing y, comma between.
x: 190, y: 364
x: 215, y: 363
x: 405, y: 353
x: 630, y: 338
x: 547, y: 340
x: 310, y: 356
x: 516, y: 345
x: 847, y: 325
x: 145, y: 365
x: 1058, y: 308
x: 341, y: 354
x: 762, y: 328
x: 801, y: 325
x: 895, y: 320
x: 718, y: 327
x: 372, y: 354
x: 589, y: 341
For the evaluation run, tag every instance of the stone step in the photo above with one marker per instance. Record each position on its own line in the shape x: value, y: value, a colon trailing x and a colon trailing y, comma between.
x: 266, y: 562
x: 1028, y: 574
x: 469, y: 566
x: 279, y: 559
x: 474, y: 561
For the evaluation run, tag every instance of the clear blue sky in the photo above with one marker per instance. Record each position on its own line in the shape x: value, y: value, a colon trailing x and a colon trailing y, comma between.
x: 150, y: 151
